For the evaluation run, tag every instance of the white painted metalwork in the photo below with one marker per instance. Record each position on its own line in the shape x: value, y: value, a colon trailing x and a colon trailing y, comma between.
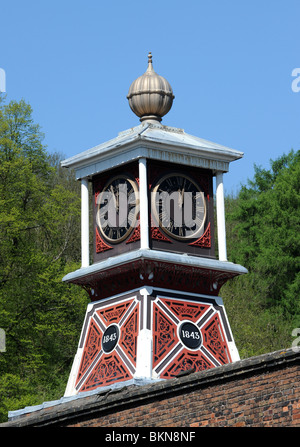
x: 144, y: 217
x: 221, y: 217
x: 85, y: 255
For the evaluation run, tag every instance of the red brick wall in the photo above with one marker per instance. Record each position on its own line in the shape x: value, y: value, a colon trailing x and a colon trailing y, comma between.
x: 258, y: 392
x: 271, y: 399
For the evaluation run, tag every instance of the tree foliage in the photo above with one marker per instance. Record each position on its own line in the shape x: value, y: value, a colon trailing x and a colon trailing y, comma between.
x: 39, y: 228
x: 263, y: 235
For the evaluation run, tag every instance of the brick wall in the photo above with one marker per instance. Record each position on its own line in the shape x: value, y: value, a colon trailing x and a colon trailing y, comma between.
x: 271, y: 399
x: 260, y: 391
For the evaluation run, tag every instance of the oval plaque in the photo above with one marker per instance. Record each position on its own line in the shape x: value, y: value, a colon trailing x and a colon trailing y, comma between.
x: 190, y: 335
x: 110, y: 338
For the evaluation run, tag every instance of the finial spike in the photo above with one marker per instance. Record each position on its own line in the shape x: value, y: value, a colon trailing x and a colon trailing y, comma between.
x: 150, y: 66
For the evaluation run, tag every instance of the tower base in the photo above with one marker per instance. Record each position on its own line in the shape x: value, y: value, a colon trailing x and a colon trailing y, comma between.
x: 150, y: 333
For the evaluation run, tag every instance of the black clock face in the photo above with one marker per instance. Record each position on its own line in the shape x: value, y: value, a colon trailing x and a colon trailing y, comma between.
x: 117, y: 208
x: 179, y: 206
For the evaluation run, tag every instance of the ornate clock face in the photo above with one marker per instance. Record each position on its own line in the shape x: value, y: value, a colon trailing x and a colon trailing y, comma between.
x: 117, y: 208
x: 179, y: 206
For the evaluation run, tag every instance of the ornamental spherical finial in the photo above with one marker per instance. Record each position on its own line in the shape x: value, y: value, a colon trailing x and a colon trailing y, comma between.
x: 150, y: 96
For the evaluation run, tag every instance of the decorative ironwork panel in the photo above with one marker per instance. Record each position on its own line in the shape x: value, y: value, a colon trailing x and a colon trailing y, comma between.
x: 187, y: 335
x: 214, y: 340
x: 109, y: 369
x: 136, y: 235
x: 204, y: 240
x: 113, y: 314
x: 110, y: 343
x: 164, y: 335
x: 100, y: 244
x: 92, y: 348
x: 185, y: 310
x: 129, y: 334
x: 186, y: 361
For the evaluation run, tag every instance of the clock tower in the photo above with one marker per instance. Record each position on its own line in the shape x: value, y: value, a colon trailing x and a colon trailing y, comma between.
x: 154, y: 274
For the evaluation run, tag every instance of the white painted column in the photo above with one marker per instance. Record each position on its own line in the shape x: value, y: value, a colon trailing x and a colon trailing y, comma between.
x: 144, y: 344
x: 221, y: 217
x: 85, y: 251
x: 144, y: 215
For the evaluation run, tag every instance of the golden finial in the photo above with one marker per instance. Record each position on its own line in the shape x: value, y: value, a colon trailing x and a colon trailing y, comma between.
x: 150, y: 96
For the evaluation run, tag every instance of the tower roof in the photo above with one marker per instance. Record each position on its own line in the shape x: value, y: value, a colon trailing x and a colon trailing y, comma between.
x: 153, y: 141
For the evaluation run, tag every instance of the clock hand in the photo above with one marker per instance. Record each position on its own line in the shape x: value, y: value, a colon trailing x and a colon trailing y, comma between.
x: 180, y: 197
x: 118, y: 201
x: 114, y: 197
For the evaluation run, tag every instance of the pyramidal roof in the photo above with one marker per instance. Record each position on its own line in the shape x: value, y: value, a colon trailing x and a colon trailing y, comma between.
x: 154, y: 141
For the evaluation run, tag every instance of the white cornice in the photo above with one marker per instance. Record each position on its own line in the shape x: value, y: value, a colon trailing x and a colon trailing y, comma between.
x: 155, y: 255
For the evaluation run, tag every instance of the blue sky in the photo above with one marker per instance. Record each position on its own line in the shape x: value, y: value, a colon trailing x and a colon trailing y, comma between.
x: 229, y: 63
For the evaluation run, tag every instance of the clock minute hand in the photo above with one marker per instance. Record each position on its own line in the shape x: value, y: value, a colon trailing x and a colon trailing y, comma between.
x: 181, y: 196
x: 113, y: 194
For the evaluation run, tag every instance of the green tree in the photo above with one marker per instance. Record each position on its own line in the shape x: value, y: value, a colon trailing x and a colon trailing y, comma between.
x: 39, y: 228
x: 263, y: 235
